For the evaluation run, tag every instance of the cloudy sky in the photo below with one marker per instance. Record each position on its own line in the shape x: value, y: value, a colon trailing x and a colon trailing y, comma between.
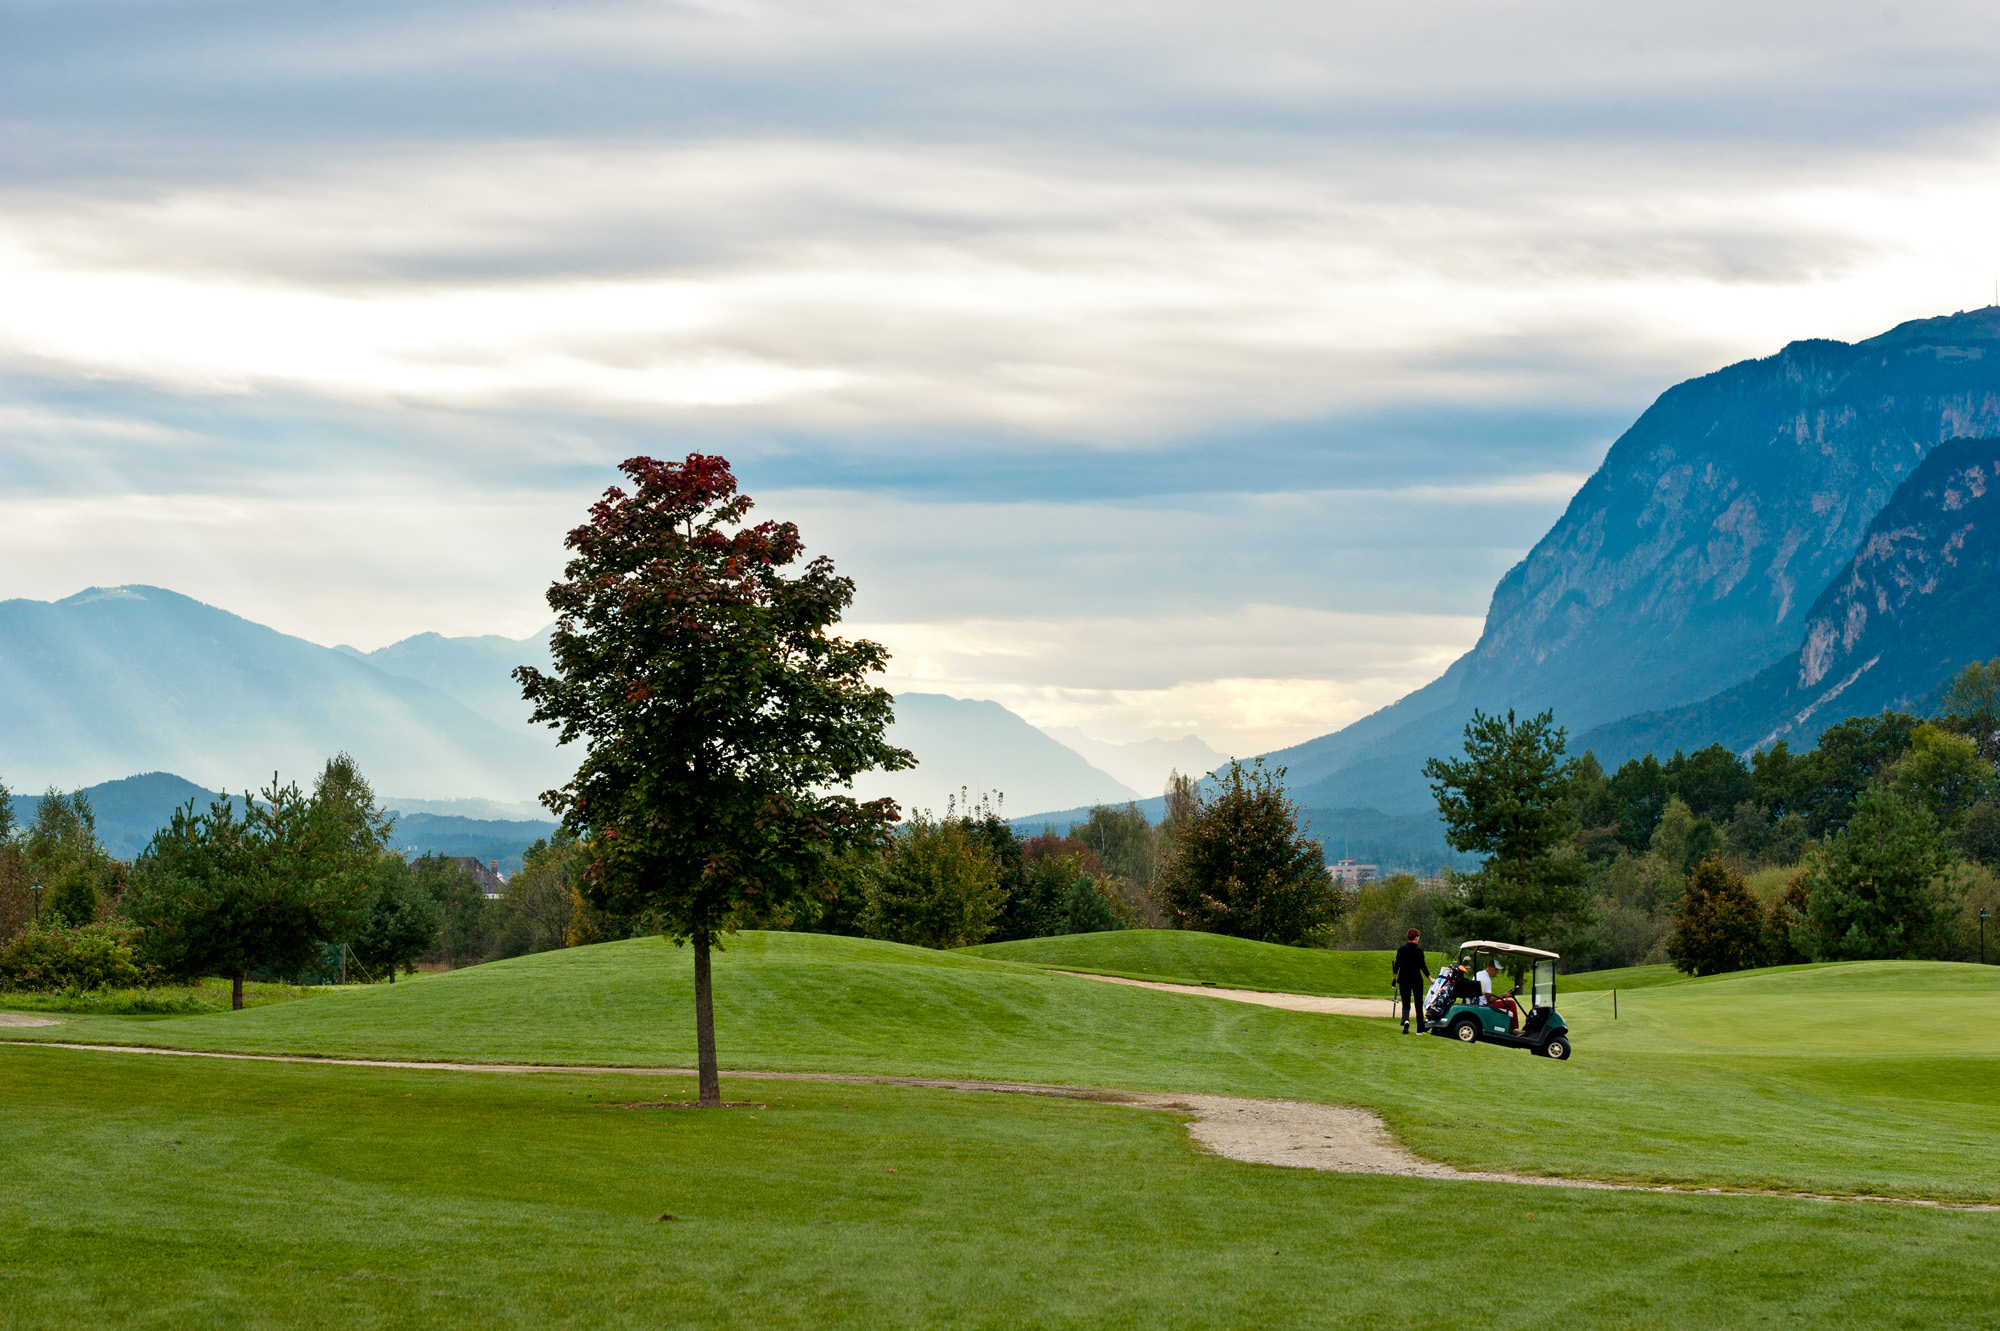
x: 1154, y: 367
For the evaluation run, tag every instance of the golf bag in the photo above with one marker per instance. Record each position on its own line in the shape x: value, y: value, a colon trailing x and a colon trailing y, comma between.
x: 1438, y: 1001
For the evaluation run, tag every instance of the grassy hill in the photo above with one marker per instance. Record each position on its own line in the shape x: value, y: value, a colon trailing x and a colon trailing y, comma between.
x: 204, y: 1192
x: 1182, y: 956
x: 1845, y: 1078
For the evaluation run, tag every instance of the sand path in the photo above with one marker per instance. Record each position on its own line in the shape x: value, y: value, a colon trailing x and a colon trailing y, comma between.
x: 1340, y: 1007
x: 1293, y: 1133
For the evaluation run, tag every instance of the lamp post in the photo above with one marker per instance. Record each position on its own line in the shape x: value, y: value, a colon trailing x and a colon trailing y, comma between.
x: 1982, y: 935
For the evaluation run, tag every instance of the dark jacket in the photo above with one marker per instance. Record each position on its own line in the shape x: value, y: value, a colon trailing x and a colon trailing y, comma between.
x: 1408, y: 968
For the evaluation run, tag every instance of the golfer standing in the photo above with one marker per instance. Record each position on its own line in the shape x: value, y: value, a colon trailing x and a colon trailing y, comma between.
x: 1411, y: 977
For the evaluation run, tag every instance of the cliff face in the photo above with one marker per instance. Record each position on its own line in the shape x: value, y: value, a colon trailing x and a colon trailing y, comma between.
x: 1917, y: 602
x: 1689, y: 561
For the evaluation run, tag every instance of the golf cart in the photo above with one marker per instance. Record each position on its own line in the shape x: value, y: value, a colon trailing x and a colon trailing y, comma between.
x: 1456, y: 1008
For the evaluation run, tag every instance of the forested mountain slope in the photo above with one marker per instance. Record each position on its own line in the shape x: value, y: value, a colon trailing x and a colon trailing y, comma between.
x: 1919, y: 601
x: 1690, y: 560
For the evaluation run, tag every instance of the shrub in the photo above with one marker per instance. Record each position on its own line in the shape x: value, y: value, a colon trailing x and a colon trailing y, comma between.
x: 936, y: 887
x: 1718, y: 926
x: 1784, y: 925
x: 91, y: 956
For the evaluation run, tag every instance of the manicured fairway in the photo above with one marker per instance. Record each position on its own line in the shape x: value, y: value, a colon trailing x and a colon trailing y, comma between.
x: 1182, y: 956
x: 143, y: 1191
x: 1836, y: 1079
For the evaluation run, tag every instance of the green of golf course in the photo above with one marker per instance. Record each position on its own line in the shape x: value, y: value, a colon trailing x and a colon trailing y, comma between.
x: 469, y: 1196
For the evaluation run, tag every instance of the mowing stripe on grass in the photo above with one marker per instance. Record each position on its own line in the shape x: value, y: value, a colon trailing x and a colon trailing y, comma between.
x: 1289, y: 1133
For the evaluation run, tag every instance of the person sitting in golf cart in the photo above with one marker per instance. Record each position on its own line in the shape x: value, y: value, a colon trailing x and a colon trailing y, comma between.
x: 1488, y: 979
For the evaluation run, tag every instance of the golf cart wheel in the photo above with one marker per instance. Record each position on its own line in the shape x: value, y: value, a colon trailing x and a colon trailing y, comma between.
x: 1465, y: 1031
x: 1556, y: 1046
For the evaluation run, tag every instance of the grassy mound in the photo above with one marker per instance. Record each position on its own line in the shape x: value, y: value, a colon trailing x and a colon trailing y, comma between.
x: 1182, y: 956
x: 1869, y: 1077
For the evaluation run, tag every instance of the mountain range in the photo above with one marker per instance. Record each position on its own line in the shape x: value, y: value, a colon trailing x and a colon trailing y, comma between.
x: 123, y: 679
x: 983, y: 750
x: 137, y: 678
x: 1700, y: 555
x: 1769, y: 548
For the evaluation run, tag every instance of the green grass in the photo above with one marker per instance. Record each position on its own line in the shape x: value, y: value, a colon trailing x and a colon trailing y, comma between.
x: 1622, y: 978
x: 1865, y: 1078
x: 1181, y: 956
x: 209, y: 995
x: 149, y: 1192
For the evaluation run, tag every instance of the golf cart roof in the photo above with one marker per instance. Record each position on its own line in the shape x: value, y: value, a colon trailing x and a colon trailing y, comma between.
x: 1510, y: 949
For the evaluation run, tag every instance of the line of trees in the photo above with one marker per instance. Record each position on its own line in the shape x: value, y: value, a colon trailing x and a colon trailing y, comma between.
x: 286, y: 884
x: 1879, y: 842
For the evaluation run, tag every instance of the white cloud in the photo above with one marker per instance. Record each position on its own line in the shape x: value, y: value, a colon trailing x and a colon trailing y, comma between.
x: 1245, y: 681
x: 820, y: 285
x: 333, y: 316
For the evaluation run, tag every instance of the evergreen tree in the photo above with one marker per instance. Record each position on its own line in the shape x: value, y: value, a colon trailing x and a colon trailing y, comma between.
x: 216, y: 893
x: 1241, y: 865
x: 64, y: 856
x: 1883, y: 887
x: 1511, y: 798
x: 1718, y: 925
x: 403, y: 919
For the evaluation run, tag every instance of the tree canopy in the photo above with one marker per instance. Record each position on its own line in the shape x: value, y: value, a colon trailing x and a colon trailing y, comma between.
x: 1512, y: 798
x: 721, y: 715
x: 223, y: 893
x: 1241, y: 866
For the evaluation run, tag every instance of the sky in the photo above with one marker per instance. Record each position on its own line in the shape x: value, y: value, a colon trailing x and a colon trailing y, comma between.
x: 1154, y: 369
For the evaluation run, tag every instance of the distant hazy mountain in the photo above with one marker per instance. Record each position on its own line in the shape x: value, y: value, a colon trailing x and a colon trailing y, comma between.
x: 981, y: 746
x: 1142, y: 764
x: 476, y: 671
x: 1918, y: 602
x: 134, y: 678
x: 1691, y: 560
x: 486, y: 810
x: 131, y: 809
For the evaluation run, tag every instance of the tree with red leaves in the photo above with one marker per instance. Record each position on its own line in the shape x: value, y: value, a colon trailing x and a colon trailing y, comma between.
x: 717, y: 708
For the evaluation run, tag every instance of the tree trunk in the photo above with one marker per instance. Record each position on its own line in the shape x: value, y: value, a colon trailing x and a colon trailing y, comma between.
x: 236, y: 993
x: 704, y: 1026
x: 392, y: 972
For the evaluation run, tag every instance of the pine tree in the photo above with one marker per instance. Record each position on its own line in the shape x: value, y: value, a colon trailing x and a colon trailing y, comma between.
x: 1512, y: 799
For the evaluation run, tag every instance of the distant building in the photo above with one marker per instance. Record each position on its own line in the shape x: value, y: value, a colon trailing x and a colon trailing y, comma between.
x: 1350, y: 874
x: 491, y: 881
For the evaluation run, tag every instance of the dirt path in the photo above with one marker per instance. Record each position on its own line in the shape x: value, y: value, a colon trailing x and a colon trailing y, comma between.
x: 1293, y: 1133
x: 1340, y: 1007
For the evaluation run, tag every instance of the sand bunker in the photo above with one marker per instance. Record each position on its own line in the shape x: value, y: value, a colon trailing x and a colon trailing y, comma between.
x: 23, y: 1019
x: 1340, y: 1007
